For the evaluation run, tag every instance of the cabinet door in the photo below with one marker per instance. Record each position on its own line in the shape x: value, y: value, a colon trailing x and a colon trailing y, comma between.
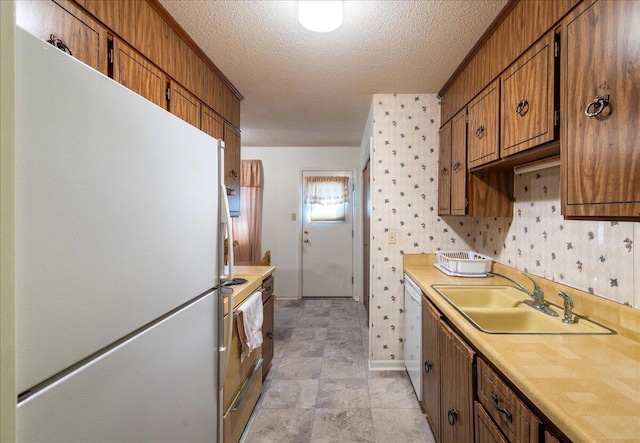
x: 486, y: 430
x: 444, y: 166
x: 527, y: 102
x: 132, y: 70
x: 483, y: 135
x: 211, y: 123
x: 184, y: 105
x: 108, y: 12
x: 431, y: 365
x: 267, y: 335
x: 459, y: 164
x: 85, y: 39
x: 232, y: 167
x: 457, y: 369
x: 600, y: 154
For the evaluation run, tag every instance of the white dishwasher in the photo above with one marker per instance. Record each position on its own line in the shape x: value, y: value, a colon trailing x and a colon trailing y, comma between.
x: 413, y: 333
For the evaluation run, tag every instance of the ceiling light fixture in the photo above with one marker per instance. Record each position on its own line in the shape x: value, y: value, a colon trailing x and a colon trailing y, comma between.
x: 320, y: 16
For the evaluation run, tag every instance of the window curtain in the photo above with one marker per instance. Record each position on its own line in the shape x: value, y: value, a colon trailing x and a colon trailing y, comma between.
x: 320, y: 190
x: 247, y: 228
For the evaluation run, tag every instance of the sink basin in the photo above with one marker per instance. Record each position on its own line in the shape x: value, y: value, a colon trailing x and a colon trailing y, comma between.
x: 501, y: 310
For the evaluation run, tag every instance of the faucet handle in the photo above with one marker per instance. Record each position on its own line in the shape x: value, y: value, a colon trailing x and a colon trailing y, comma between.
x: 537, y: 290
x: 568, y: 307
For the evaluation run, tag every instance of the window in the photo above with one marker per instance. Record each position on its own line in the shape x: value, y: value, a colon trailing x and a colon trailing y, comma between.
x: 327, y: 198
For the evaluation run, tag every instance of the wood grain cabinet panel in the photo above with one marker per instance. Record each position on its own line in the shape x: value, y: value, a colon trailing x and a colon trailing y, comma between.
x: 431, y: 365
x: 600, y: 154
x: 184, y: 105
x: 136, y: 73
x: 485, y: 429
x: 483, y: 127
x: 444, y: 168
x: 268, y: 325
x: 108, y: 12
x: 232, y: 167
x: 85, y: 38
x: 527, y: 100
x: 211, y: 123
x: 150, y: 39
x: 510, y: 414
x: 457, y: 375
x: 550, y: 438
x: 459, y: 163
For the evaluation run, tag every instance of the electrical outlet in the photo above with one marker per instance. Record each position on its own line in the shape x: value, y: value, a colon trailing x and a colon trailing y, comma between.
x: 392, y: 237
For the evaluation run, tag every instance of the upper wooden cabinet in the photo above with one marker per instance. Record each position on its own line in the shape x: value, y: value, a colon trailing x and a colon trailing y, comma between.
x: 211, y: 123
x: 132, y: 70
x: 64, y: 24
x: 601, y: 107
x: 444, y: 168
x: 527, y: 105
x: 452, y: 181
x: 183, y: 104
x: 232, y: 167
x: 483, y: 127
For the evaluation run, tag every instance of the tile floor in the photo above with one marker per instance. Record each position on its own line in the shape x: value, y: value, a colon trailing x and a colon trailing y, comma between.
x: 319, y: 388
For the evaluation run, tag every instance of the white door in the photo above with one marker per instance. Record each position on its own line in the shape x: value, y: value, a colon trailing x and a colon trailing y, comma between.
x: 327, y: 241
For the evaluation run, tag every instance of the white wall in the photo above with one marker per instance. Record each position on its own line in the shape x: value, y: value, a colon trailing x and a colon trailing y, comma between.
x: 281, y: 196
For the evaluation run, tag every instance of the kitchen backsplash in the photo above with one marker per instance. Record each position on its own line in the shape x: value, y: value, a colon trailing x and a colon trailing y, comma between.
x: 593, y: 256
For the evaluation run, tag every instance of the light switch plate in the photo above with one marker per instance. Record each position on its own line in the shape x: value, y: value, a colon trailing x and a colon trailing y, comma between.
x: 392, y: 237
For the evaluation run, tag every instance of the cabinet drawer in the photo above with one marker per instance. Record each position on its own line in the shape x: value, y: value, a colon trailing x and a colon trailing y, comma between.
x: 511, y: 415
x: 267, y: 286
x: 486, y: 430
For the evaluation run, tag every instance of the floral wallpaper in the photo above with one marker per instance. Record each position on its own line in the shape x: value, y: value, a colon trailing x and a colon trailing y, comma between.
x: 594, y: 256
x: 597, y: 257
x: 404, y: 199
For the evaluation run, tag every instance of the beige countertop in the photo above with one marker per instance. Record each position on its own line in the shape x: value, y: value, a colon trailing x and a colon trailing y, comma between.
x: 254, y: 276
x: 587, y: 385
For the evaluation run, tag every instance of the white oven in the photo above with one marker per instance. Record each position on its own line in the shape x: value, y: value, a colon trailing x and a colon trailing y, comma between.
x: 413, y: 333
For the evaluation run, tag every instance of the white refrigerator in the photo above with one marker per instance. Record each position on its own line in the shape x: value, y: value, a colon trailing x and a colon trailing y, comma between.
x: 118, y: 254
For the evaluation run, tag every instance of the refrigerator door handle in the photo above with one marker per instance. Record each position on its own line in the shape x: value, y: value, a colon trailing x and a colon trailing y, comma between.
x: 224, y: 346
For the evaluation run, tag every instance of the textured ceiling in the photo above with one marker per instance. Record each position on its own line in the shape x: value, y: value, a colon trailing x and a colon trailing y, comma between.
x: 303, y: 88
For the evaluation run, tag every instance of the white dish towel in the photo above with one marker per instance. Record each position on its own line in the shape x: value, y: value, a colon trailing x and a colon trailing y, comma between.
x: 250, y: 324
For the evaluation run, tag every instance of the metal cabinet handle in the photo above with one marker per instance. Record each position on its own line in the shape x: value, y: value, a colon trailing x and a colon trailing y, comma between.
x: 505, y: 411
x: 428, y: 365
x: 457, y: 166
x: 443, y: 171
x: 234, y: 173
x: 246, y: 385
x: 58, y: 43
x: 452, y: 416
x: 306, y: 240
x: 597, y: 106
x: 522, y: 105
x: 270, y: 335
x: 480, y: 131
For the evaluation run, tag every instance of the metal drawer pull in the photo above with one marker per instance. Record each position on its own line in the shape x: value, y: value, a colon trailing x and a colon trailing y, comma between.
x: 597, y: 106
x: 452, y: 416
x: 245, y: 386
x: 480, y: 131
x: 505, y: 411
x: 522, y: 105
x: 457, y: 166
x: 428, y: 365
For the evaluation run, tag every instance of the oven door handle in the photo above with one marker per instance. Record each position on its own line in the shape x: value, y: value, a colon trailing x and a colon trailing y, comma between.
x: 246, y: 385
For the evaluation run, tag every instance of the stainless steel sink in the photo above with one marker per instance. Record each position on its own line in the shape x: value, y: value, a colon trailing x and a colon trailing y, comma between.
x: 501, y: 310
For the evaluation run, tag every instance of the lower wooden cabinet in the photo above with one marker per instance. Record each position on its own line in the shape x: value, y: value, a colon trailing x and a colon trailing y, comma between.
x: 516, y: 421
x: 431, y: 365
x: 486, y: 430
x: 456, y: 395
x: 268, y: 329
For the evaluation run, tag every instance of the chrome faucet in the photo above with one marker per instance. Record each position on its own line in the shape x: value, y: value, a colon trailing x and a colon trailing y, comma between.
x: 537, y: 295
x: 568, y: 308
